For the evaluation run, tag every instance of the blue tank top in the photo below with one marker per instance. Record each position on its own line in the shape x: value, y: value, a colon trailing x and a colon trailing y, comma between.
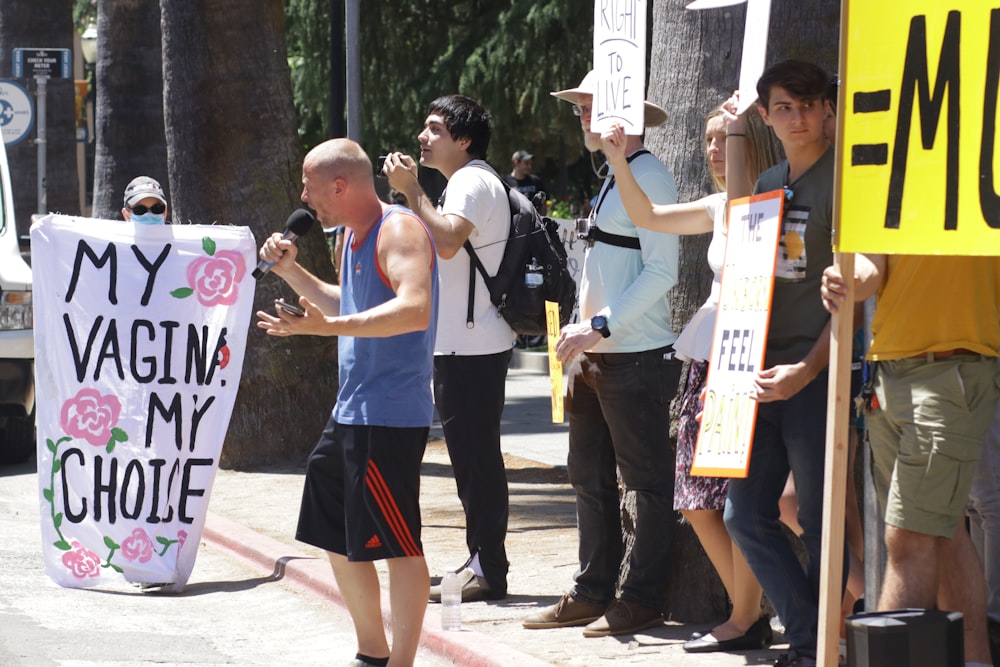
x: 383, y: 381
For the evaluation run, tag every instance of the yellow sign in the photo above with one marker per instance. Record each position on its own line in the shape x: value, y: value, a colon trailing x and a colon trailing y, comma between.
x: 555, y: 368
x: 918, y: 159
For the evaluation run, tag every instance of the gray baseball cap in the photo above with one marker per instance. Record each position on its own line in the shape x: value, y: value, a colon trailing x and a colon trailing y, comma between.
x: 141, y: 188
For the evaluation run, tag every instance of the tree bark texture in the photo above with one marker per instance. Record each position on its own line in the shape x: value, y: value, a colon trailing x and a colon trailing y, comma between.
x: 233, y: 159
x: 694, y: 66
x: 42, y: 24
x: 129, y: 116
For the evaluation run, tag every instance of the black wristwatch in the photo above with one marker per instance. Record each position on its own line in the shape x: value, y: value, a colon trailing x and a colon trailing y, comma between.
x: 600, y: 323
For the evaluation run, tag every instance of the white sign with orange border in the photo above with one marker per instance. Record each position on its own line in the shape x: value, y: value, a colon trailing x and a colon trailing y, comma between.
x: 740, y: 337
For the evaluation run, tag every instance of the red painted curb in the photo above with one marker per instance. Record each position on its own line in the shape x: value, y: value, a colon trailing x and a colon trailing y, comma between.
x: 313, y: 575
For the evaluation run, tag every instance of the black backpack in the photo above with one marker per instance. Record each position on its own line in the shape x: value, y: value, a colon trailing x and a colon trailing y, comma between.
x: 533, y: 270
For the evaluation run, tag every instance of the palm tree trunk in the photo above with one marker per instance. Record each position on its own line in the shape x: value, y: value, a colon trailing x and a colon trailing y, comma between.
x: 129, y: 116
x: 233, y: 159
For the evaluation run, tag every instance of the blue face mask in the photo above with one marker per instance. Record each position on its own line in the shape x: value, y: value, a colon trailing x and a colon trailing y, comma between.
x: 149, y: 219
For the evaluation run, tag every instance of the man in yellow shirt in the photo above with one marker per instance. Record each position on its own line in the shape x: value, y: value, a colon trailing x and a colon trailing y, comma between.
x: 935, y: 336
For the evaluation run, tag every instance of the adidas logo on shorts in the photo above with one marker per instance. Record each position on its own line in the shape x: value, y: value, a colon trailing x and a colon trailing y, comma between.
x: 373, y: 543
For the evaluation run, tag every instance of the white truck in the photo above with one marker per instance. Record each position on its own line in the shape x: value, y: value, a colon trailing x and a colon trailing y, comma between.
x: 17, y: 347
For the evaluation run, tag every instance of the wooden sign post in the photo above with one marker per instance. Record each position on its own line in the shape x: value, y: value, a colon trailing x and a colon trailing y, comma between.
x: 835, y: 472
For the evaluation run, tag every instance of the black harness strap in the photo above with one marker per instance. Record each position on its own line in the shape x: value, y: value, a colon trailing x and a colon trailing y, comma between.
x: 597, y: 235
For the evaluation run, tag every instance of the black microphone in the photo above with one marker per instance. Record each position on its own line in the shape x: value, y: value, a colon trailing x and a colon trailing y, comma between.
x: 297, y: 225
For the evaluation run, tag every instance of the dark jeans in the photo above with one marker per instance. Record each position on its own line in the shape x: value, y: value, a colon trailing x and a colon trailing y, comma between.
x: 789, y: 435
x: 469, y: 396
x: 619, y: 418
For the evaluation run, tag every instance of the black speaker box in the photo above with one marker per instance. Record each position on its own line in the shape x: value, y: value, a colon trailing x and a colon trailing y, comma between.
x: 905, y: 638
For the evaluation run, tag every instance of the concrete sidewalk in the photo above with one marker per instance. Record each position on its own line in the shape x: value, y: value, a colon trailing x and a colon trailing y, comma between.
x: 253, y: 516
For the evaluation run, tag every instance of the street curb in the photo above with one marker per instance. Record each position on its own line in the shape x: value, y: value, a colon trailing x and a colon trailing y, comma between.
x: 312, y: 575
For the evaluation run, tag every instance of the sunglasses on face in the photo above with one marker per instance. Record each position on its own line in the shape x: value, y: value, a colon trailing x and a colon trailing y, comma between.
x: 140, y: 209
x: 580, y: 109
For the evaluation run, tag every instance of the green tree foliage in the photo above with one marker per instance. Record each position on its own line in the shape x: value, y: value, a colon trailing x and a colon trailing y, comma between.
x: 307, y: 24
x: 507, y: 54
x: 84, y: 13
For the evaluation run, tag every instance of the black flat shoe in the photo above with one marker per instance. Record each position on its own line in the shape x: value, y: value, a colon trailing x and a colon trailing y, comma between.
x: 758, y: 636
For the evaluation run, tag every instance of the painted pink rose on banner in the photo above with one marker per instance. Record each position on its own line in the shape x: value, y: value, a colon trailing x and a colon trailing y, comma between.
x: 215, y: 280
x: 91, y: 416
x: 138, y: 546
x: 82, y: 562
x: 181, y: 538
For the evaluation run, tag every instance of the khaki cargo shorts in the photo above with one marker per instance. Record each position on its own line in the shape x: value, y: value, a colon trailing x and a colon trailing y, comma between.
x: 927, y: 435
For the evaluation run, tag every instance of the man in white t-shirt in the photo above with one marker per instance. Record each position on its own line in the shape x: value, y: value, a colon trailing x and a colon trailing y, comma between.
x: 473, y: 349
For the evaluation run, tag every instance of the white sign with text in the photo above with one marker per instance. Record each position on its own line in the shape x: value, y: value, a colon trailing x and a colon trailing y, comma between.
x: 141, y: 331
x: 620, y: 65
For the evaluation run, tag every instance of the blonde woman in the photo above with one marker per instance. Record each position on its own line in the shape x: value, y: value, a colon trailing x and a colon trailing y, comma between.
x: 702, y: 499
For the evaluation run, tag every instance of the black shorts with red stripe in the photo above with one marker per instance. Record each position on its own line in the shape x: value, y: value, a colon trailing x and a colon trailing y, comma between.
x: 362, y: 492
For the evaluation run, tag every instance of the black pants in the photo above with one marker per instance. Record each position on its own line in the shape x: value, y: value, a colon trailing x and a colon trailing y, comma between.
x: 469, y: 395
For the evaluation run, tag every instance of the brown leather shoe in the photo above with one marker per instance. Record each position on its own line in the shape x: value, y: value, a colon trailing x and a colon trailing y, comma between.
x: 624, y: 617
x: 563, y: 614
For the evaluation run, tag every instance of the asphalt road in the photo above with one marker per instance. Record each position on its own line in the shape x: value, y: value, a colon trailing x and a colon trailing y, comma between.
x: 257, y: 597
x: 230, y: 614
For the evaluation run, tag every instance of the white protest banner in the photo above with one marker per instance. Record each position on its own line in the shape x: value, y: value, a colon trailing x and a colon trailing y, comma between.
x: 755, y: 29
x: 740, y: 337
x: 141, y: 331
x: 620, y: 65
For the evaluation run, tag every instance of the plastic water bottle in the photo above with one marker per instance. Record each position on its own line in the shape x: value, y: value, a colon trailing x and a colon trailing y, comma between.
x: 533, y: 274
x: 451, y: 601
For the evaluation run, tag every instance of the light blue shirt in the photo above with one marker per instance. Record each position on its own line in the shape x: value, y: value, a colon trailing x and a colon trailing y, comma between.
x: 628, y: 286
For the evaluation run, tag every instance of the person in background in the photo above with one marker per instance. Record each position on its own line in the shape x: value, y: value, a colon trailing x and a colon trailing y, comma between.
x: 984, y: 524
x: 520, y: 178
x: 144, y: 201
x: 361, y: 500
x: 702, y: 499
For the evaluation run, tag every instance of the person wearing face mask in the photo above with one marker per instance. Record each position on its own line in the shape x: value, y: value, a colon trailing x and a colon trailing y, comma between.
x: 145, y: 203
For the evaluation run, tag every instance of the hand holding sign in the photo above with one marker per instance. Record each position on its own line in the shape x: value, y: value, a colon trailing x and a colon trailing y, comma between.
x: 613, y: 140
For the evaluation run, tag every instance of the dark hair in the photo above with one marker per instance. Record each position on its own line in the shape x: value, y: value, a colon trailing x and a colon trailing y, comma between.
x: 465, y: 118
x: 803, y: 80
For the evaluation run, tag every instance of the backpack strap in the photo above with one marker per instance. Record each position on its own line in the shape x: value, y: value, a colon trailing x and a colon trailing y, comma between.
x: 475, y: 264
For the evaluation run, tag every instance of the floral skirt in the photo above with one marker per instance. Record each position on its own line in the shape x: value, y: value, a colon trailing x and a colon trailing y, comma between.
x: 694, y: 493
